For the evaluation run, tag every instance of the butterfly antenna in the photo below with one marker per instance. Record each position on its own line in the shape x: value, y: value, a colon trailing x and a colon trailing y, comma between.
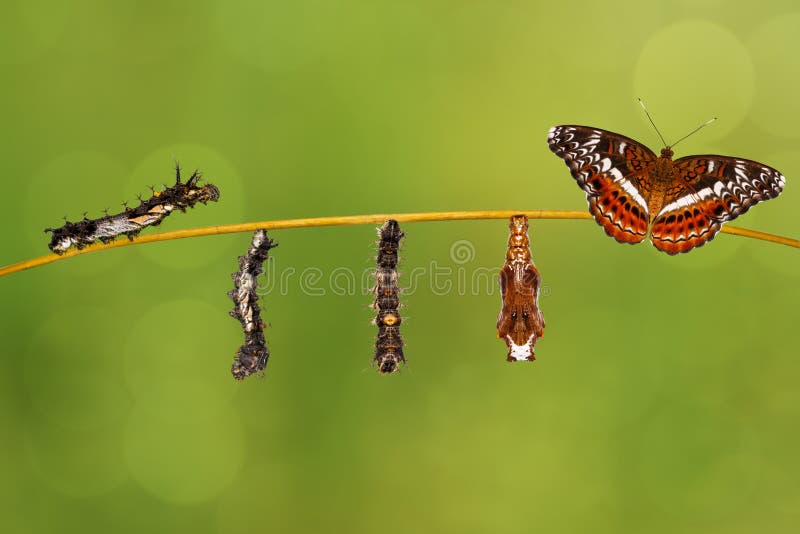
x: 653, y: 123
x: 709, y: 121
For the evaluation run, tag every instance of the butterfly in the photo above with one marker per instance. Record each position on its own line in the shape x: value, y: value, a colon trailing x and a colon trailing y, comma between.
x: 683, y: 203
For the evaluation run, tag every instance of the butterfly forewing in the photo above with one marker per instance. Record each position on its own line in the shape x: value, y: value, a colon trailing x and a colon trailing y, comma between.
x: 612, y: 170
x: 714, y: 190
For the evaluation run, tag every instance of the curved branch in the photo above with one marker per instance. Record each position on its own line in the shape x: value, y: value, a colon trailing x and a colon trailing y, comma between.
x: 352, y: 220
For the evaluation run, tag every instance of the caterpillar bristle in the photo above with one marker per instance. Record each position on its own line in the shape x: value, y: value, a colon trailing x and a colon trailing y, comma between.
x: 252, y: 356
x: 388, y: 343
x: 130, y: 221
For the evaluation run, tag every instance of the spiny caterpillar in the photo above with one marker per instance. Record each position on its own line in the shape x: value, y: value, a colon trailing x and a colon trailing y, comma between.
x: 131, y: 221
x: 253, y: 355
x: 520, y: 322
x: 389, y: 343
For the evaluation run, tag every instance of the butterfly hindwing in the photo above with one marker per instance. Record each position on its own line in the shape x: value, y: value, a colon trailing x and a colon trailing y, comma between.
x: 711, y: 191
x: 685, y: 223
x: 609, y: 167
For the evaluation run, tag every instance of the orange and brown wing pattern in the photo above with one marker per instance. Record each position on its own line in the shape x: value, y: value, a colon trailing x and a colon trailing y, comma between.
x: 612, y: 170
x: 715, y: 189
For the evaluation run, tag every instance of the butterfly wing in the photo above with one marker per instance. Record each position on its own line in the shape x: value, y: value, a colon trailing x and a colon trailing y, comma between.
x: 612, y: 170
x: 710, y: 190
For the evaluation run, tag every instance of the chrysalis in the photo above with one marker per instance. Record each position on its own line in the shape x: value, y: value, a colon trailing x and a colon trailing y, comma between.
x: 252, y: 356
x: 131, y: 221
x: 389, y: 343
x: 520, y: 323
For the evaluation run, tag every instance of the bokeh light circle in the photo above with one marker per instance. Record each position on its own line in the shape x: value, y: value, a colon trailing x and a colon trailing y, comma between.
x: 67, y: 186
x: 157, y: 170
x: 76, y: 462
x: 777, y: 79
x: 30, y: 28
x: 177, y: 364
x: 691, y: 71
x: 69, y: 379
x: 185, y: 461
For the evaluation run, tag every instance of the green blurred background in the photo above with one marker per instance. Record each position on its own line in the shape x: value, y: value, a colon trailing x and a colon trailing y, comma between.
x: 665, y: 397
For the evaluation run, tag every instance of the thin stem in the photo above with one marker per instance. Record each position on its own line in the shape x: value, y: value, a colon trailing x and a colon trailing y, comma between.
x: 351, y: 220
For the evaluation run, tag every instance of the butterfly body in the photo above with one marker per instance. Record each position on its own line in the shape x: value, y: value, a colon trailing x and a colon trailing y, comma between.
x: 660, y: 185
x: 681, y: 203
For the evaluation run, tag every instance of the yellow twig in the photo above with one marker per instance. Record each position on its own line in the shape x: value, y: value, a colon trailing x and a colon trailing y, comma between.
x: 351, y: 220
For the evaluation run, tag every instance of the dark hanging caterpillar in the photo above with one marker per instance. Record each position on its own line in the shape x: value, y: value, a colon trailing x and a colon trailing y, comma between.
x: 389, y: 343
x: 253, y: 355
x: 131, y: 221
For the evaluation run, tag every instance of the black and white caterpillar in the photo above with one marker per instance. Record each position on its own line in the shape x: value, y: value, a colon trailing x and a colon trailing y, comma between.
x: 389, y: 343
x: 253, y: 355
x: 130, y: 222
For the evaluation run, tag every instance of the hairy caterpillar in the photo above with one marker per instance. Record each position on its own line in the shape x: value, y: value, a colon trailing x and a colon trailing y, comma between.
x: 520, y: 322
x: 130, y: 222
x: 389, y: 343
x: 253, y: 355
